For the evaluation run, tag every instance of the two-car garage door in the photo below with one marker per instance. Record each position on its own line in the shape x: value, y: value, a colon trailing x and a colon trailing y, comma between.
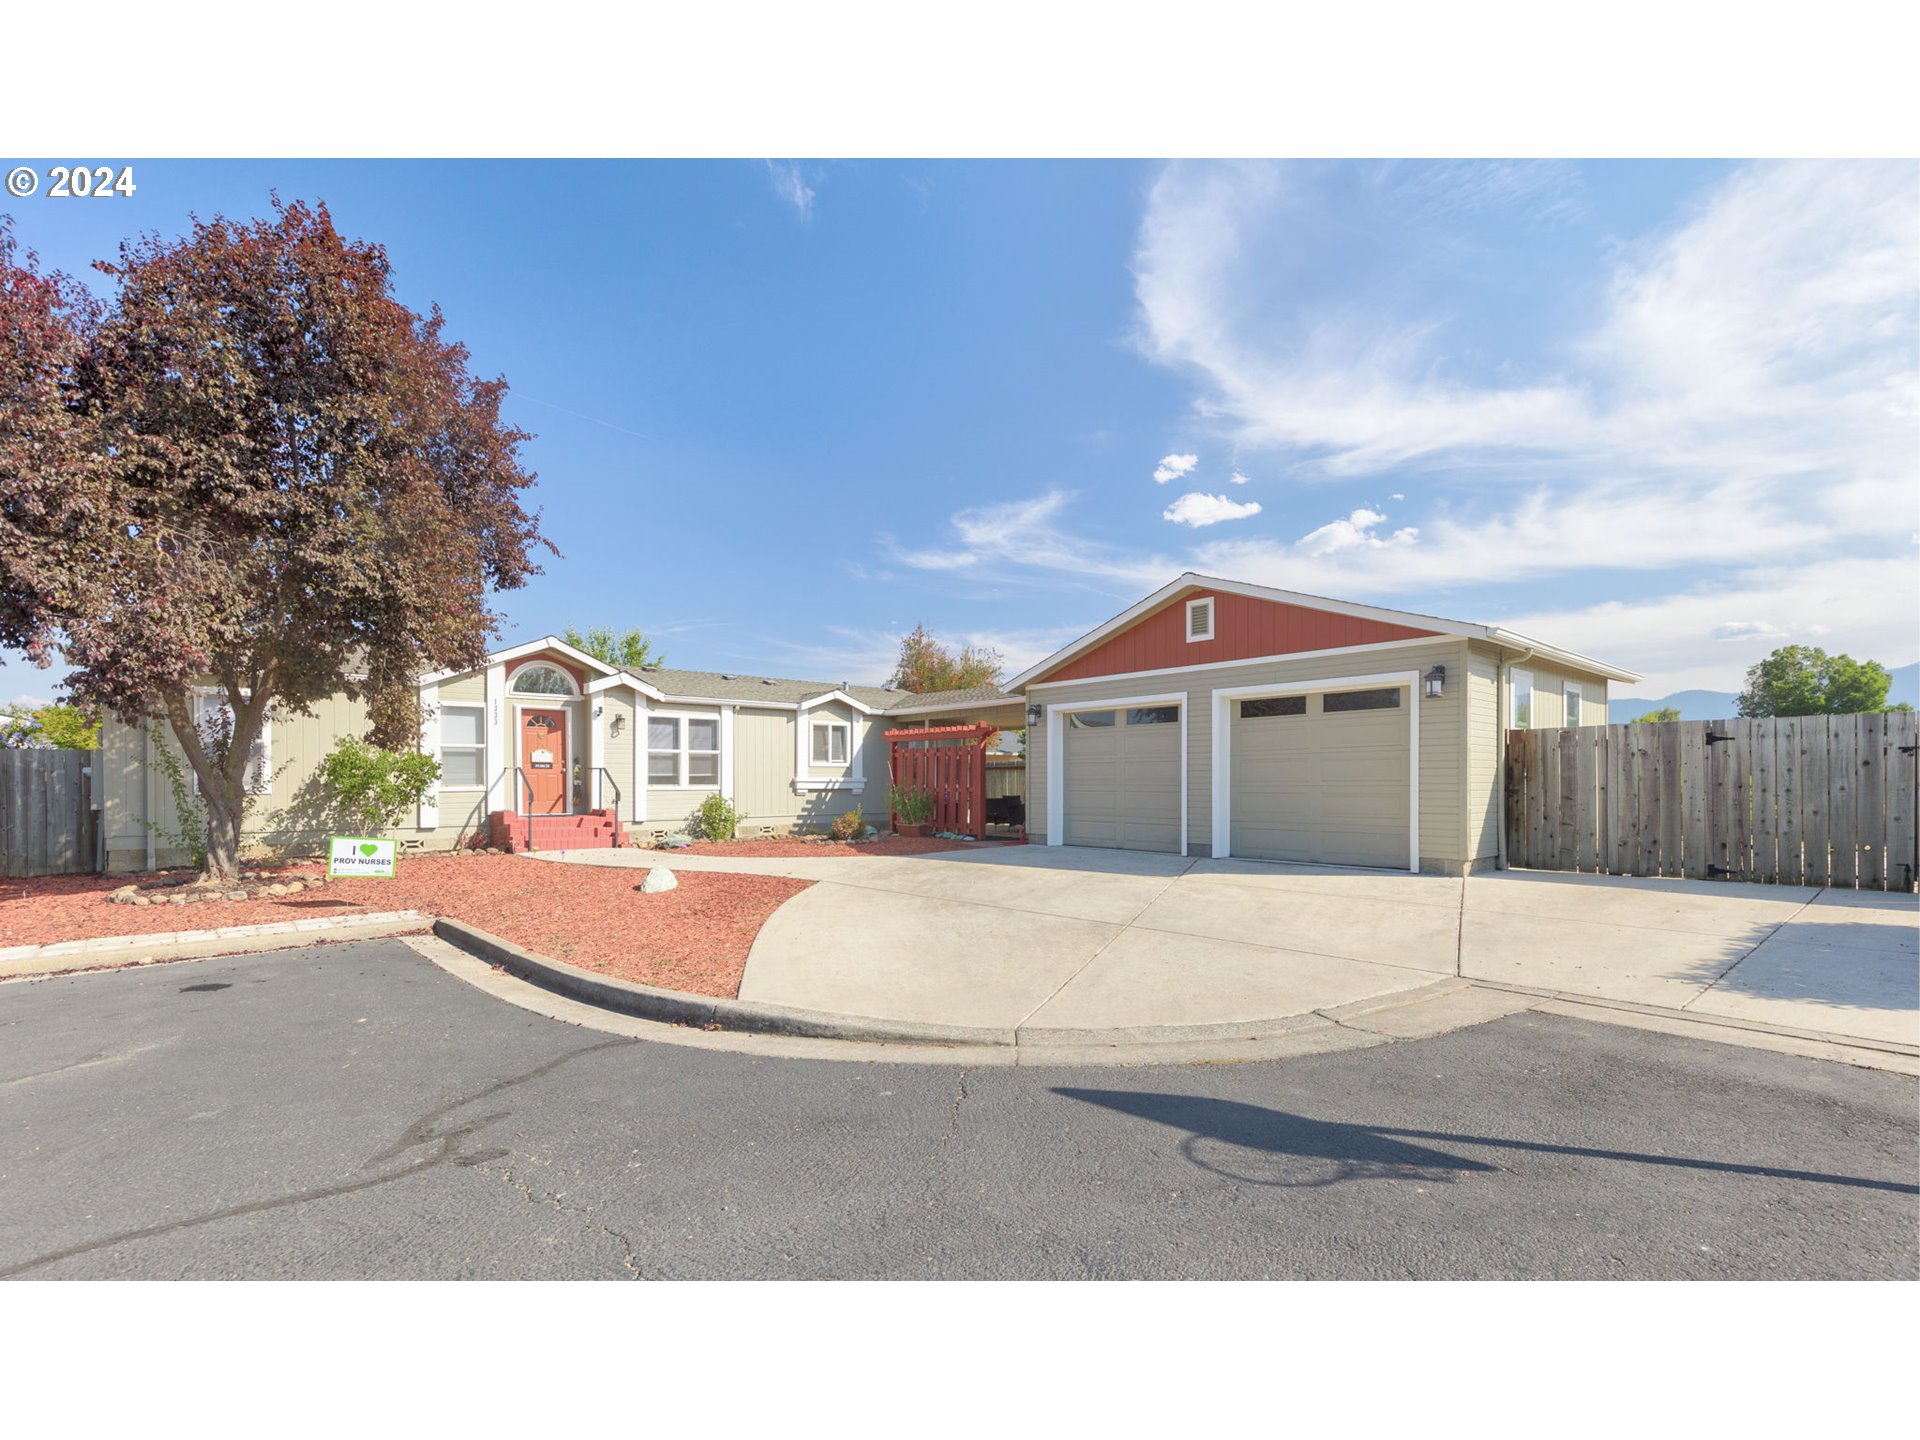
x: 1320, y: 777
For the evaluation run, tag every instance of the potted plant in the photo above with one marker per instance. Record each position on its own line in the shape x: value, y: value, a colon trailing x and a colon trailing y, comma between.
x: 912, y: 807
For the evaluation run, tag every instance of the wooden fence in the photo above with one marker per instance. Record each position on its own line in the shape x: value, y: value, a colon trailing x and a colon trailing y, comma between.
x: 1810, y: 800
x: 48, y: 821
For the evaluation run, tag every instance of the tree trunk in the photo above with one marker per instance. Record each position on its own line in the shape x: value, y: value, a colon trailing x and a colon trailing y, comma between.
x: 224, y: 818
x: 219, y: 764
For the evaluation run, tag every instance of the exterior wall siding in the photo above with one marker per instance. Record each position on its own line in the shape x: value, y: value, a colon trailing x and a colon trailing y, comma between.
x: 1243, y: 628
x: 1442, y: 785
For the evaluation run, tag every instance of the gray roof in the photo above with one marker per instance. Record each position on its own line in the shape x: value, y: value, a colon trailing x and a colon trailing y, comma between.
x: 731, y: 685
x: 982, y: 695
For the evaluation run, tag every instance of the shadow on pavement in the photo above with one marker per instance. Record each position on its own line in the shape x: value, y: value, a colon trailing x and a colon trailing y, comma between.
x: 1259, y: 1146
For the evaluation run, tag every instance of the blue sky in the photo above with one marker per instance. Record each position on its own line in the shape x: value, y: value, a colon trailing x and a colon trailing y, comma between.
x: 1662, y: 412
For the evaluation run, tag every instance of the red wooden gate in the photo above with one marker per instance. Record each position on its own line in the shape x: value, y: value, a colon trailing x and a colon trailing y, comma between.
x: 950, y: 764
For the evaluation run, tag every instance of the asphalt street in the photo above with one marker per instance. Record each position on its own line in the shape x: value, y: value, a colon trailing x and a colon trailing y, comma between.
x: 354, y: 1112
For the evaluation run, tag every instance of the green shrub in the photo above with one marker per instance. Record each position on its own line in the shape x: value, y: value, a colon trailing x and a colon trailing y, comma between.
x: 913, y: 804
x: 372, y: 788
x: 718, y: 818
x: 846, y: 826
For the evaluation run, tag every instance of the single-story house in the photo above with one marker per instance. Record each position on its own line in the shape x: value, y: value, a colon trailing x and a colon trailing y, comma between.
x: 1212, y: 718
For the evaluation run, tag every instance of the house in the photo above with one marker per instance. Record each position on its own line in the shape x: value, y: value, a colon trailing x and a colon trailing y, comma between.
x: 545, y: 744
x: 1212, y: 718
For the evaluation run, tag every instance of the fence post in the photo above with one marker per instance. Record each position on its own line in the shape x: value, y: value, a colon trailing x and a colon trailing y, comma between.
x: 1870, y: 803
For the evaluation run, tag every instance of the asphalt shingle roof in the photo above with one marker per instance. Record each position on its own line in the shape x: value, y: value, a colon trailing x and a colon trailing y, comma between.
x: 728, y: 685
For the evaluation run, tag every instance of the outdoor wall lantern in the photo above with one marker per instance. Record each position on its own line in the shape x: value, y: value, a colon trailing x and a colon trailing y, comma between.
x: 1436, y: 682
x: 1035, y: 714
x: 619, y: 724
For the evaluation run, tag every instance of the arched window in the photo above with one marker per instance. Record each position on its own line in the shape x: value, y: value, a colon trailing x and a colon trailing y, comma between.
x: 543, y: 680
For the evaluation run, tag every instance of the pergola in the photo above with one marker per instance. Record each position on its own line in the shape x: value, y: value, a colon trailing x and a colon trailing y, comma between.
x: 949, y: 762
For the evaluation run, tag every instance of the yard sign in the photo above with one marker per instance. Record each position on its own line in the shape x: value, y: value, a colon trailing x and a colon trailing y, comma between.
x: 358, y: 855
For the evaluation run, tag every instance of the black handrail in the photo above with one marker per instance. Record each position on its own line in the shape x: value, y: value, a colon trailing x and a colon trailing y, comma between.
x: 600, y: 789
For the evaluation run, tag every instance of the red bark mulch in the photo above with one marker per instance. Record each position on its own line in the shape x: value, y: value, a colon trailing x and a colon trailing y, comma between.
x: 692, y: 938
x: 785, y: 847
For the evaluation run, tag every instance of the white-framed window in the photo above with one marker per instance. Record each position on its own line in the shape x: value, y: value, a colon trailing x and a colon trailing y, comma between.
x: 683, y: 751
x: 1576, y: 699
x: 209, y: 703
x: 1523, y: 699
x: 1200, y: 619
x: 542, y: 679
x: 830, y: 742
x: 463, y: 747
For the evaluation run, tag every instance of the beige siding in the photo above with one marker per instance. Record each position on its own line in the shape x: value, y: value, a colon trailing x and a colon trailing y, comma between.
x: 1442, y: 836
x: 468, y: 689
x: 1550, y: 694
x: 618, y: 727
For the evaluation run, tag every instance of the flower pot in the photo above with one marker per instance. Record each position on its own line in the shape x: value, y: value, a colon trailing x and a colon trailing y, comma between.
x: 918, y: 831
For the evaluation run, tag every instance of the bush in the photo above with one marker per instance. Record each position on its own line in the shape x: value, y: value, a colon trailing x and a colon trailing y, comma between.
x: 846, y: 826
x: 372, y: 788
x: 913, y: 804
x: 717, y: 818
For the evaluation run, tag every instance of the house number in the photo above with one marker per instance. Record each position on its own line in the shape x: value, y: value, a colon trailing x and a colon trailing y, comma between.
x: 543, y: 759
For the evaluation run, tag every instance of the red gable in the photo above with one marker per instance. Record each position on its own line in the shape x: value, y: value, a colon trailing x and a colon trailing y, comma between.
x: 1243, y: 629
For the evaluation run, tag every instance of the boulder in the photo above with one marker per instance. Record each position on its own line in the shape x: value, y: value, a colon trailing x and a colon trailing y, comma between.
x: 658, y: 879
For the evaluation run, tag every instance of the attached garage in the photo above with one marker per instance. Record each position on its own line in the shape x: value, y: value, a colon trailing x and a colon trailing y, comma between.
x: 1122, y: 775
x: 1322, y: 776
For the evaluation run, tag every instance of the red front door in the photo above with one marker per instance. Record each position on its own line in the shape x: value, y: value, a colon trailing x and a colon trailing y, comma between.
x: 543, y: 756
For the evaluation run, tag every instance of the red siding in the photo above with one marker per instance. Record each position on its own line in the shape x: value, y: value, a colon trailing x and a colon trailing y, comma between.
x: 1244, y: 629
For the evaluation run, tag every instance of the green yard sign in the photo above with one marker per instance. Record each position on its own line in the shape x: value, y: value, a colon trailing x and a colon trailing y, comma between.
x: 361, y: 856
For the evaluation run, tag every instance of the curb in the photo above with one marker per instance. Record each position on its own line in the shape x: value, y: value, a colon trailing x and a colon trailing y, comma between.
x: 676, y: 1007
x: 110, y: 952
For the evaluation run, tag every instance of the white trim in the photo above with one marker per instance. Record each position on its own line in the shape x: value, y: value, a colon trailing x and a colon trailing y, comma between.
x: 428, y: 814
x: 258, y: 779
x: 726, y: 751
x: 1251, y: 660
x: 1201, y: 602
x: 514, y: 652
x: 815, y: 724
x: 500, y: 780
x: 639, y: 803
x: 614, y: 682
x: 846, y: 783
x: 840, y: 695
x: 1057, y: 758
x: 1513, y: 709
x: 1222, y: 777
x: 595, y: 798
x: 1193, y: 581
x: 683, y: 766
x: 1572, y: 693
x: 572, y: 692
x: 439, y: 751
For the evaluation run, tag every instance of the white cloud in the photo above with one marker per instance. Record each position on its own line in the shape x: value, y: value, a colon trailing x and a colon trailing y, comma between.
x: 1198, y: 509
x: 1172, y: 467
x: 866, y: 656
x: 1743, y: 630
x: 1023, y: 536
x: 1355, y: 532
x: 1238, y: 478
x: 791, y: 187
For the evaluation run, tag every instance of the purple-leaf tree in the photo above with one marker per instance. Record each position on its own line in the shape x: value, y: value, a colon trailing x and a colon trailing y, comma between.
x: 251, y: 469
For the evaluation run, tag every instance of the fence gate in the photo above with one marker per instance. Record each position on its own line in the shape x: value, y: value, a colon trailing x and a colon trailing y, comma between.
x: 49, y: 823
x: 1805, y: 800
x: 949, y: 762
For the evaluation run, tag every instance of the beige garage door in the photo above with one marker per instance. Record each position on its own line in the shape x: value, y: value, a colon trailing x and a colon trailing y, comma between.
x: 1322, y: 778
x: 1122, y: 777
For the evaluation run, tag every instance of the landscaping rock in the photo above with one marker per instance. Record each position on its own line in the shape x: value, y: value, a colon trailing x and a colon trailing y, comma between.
x: 679, y: 840
x: 276, y: 889
x: 658, y: 879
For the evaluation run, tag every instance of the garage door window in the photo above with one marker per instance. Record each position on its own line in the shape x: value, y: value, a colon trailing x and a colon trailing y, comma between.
x: 1341, y: 700
x: 1154, y: 715
x: 1273, y: 707
x: 1091, y: 719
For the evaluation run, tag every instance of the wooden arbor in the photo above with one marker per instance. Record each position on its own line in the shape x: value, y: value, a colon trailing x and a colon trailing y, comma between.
x: 950, y: 763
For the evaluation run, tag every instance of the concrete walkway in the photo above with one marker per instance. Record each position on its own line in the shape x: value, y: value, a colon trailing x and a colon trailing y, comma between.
x: 1063, y: 941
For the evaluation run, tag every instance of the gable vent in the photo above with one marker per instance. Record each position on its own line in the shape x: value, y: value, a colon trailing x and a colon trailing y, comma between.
x: 1200, y: 619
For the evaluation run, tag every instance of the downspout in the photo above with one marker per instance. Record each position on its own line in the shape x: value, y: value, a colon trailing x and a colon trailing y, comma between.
x: 1503, y: 719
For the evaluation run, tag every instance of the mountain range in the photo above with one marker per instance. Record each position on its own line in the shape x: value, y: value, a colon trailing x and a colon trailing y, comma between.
x: 1718, y: 704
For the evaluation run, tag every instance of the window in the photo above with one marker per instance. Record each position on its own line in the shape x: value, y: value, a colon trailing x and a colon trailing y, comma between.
x: 1574, y: 700
x: 1273, y: 706
x: 1154, y: 715
x: 672, y: 763
x: 211, y: 714
x: 1343, y: 700
x: 1522, y: 699
x: 829, y: 742
x: 463, y: 747
x: 542, y: 680
x: 1200, y: 619
x: 1090, y: 719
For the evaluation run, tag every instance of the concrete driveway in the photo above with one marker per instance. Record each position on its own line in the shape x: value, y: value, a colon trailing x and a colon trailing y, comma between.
x: 1058, y: 941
